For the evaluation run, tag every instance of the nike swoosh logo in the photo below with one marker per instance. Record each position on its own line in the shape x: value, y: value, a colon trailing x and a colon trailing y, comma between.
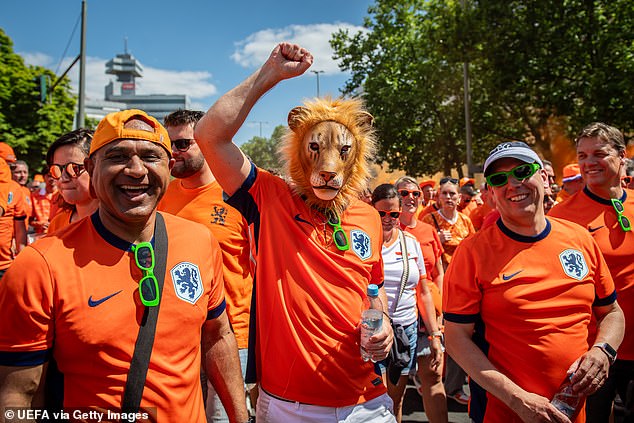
x: 594, y: 229
x: 95, y: 303
x: 299, y: 219
x: 512, y: 275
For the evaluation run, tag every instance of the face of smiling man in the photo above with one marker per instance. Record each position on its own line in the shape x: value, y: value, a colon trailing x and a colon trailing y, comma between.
x: 129, y: 177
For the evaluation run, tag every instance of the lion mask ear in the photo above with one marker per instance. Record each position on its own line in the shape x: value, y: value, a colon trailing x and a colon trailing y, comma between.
x: 366, y: 119
x: 295, y: 117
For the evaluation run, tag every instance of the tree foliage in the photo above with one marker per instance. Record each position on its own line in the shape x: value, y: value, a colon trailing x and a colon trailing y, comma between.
x: 530, y: 63
x: 26, y: 124
x: 263, y: 151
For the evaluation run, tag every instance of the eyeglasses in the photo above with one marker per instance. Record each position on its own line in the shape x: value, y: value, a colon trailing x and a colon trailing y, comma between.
x: 338, y: 234
x: 520, y: 173
x: 446, y: 179
x: 72, y: 169
x: 393, y: 214
x: 148, y: 285
x: 625, y: 223
x: 406, y: 192
x: 182, y: 144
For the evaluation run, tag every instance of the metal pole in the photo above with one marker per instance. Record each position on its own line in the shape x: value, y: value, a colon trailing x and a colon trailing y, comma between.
x: 467, y: 109
x: 81, y: 109
x: 317, y: 72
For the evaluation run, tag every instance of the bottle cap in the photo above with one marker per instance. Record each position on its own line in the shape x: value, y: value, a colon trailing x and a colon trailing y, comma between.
x: 373, y: 290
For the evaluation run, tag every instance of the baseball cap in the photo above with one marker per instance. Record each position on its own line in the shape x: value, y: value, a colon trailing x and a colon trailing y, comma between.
x: 515, y: 149
x: 111, y: 128
x: 571, y: 172
x: 465, y: 181
x: 6, y: 152
x: 427, y: 182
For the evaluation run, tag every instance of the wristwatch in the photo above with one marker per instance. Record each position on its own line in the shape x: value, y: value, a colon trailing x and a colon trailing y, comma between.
x: 607, y: 349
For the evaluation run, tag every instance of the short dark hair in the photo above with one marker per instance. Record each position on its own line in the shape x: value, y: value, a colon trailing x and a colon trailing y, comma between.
x: 80, y: 137
x: 183, y: 117
x: 606, y: 133
x: 385, y: 192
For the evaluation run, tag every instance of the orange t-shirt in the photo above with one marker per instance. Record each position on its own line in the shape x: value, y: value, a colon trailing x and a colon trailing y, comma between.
x: 459, y: 231
x: 531, y: 301
x: 15, y: 211
x: 477, y: 216
x: 74, y: 295
x: 598, y: 216
x: 27, y: 198
x: 60, y: 220
x: 309, y: 294
x: 205, y: 205
x: 468, y: 208
x: 42, y: 205
x: 429, y: 208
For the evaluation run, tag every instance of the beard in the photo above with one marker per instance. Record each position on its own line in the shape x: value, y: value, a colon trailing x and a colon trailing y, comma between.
x: 188, y: 167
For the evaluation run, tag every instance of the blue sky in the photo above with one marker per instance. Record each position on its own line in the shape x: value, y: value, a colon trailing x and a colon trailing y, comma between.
x: 201, y: 48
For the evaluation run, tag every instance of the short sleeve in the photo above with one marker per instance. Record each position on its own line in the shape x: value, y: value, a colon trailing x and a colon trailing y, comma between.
x: 462, y: 294
x: 26, y: 306
x: 217, y: 302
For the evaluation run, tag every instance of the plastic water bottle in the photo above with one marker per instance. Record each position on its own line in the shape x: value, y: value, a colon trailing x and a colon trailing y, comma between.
x: 371, y: 319
x: 567, y: 401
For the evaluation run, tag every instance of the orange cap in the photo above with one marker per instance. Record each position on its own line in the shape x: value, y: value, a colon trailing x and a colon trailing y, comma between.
x: 464, y: 181
x: 38, y: 178
x: 6, y: 152
x: 571, y: 172
x: 427, y: 182
x: 111, y: 128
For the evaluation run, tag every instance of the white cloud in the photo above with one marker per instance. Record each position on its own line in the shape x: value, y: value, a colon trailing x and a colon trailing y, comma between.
x: 196, y: 85
x: 255, y: 49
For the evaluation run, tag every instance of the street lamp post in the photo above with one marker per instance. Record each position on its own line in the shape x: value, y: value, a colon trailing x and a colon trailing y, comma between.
x: 317, y: 72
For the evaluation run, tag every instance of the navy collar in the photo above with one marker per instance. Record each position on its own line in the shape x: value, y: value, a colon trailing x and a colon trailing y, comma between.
x: 108, y: 236
x: 524, y: 238
x: 598, y: 199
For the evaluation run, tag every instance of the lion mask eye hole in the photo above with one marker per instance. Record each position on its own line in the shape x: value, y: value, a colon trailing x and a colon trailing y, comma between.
x: 313, y: 146
x: 345, y: 149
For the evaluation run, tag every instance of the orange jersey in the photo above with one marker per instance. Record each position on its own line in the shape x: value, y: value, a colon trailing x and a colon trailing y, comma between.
x: 205, y: 205
x: 309, y: 294
x: 531, y: 301
x: 42, y: 205
x: 27, y: 198
x: 74, y: 295
x: 60, y: 220
x: 467, y: 208
x: 429, y: 208
x: 477, y: 216
x: 16, y: 211
x: 459, y: 231
x: 599, y: 218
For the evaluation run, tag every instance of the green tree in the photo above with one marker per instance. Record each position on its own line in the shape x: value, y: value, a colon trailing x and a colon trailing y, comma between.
x: 531, y: 63
x: 263, y: 151
x: 26, y: 124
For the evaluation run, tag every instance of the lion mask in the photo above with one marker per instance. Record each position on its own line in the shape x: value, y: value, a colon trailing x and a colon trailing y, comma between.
x: 327, y: 151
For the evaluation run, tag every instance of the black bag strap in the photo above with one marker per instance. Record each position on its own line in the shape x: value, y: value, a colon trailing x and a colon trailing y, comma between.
x: 435, y: 221
x: 137, y: 374
x: 405, y: 274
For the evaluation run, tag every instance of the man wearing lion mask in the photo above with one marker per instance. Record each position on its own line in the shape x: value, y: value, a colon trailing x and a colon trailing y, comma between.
x: 318, y: 248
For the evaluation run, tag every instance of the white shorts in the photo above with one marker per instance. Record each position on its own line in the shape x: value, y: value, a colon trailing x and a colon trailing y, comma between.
x: 275, y: 410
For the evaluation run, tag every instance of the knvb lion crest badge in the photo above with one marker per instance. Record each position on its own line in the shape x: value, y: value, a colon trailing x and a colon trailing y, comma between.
x: 361, y: 244
x: 574, y: 264
x: 187, y: 282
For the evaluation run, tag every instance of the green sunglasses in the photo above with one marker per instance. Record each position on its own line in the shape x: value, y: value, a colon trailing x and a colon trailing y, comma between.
x: 625, y: 223
x: 338, y: 234
x: 148, y: 285
x: 520, y: 173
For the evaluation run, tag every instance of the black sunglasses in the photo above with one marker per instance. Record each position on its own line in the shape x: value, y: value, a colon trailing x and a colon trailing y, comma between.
x: 393, y: 214
x: 182, y: 144
x: 338, y: 234
x: 72, y: 169
x: 446, y: 179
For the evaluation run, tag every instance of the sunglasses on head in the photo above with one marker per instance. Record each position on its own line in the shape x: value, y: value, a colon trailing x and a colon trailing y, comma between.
x: 446, y: 179
x: 72, y: 169
x: 393, y: 214
x: 182, y: 144
x: 406, y: 192
x: 148, y: 285
x: 519, y: 173
x: 625, y: 223
x: 338, y: 234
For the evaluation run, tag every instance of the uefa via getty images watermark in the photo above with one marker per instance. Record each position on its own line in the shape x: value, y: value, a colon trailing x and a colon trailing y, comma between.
x: 87, y: 415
